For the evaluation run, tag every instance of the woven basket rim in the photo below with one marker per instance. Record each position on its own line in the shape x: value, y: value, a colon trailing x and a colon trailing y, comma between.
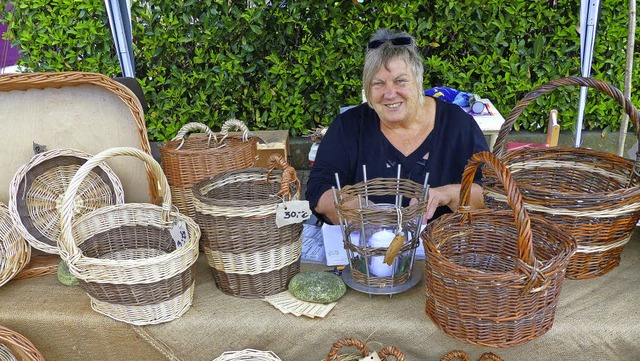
x: 23, y: 250
x: 169, y: 147
x: 16, y: 339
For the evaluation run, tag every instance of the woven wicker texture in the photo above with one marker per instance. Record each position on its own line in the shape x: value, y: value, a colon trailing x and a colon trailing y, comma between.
x: 57, y: 124
x: 38, y: 186
x: 248, y: 355
x: 249, y: 255
x: 384, y: 353
x: 462, y: 356
x: 588, y: 193
x: 14, y: 250
x: 188, y: 160
x: 366, y: 219
x: 489, y: 281
x: 125, y: 256
x: 17, y: 346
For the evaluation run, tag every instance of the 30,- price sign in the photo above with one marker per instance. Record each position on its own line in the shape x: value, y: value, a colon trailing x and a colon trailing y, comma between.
x: 292, y: 212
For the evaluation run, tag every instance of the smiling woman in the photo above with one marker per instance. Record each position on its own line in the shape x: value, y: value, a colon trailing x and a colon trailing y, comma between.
x: 398, y: 129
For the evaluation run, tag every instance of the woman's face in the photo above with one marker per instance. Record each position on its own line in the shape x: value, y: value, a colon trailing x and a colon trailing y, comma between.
x: 394, y: 92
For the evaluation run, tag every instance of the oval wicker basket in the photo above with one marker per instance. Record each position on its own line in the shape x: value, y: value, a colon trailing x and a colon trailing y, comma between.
x: 248, y: 254
x: 14, y: 250
x: 17, y: 347
x: 334, y: 353
x: 592, y: 195
x: 125, y: 256
x: 186, y: 161
x: 248, y: 355
x: 37, y: 189
x: 488, y: 281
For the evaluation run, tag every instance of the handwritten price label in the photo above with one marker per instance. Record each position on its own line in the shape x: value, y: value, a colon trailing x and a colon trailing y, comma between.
x: 179, y: 234
x: 292, y: 212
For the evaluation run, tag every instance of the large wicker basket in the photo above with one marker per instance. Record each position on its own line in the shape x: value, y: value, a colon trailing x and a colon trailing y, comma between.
x: 14, y: 250
x: 489, y: 281
x: 249, y: 255
x: 134, y: 260
x: 14, y: 346
x: 186, y: 161
x: 37, y: 189
x: 592, y: 195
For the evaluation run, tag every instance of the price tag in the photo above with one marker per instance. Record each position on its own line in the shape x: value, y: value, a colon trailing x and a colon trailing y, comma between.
x: 179, y: 233
x: 292, y: 212
x: 372, y: 357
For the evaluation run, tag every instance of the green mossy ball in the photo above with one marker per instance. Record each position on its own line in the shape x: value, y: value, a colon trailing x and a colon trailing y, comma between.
x: 64, y: 275
x: 317, y: 287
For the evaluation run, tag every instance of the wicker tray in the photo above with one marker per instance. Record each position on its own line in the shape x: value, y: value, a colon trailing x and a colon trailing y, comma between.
x: 125, y: 255
x: 72, y: 110
x: 592, y: 195
x: 186, y: 161
x: 14, y: 250
x: 17, y: 346
x: 37, y: 189
x: 248, y: 254
x: 488, y: 281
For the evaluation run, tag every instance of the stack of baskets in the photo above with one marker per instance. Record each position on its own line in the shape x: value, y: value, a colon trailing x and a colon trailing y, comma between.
x: 134, y: 260
x: 187, y: 161
x: 489, y: 281
x: 37, y: 188
x: 592, y: 195
x: 14, y: 250
x: 249, y: 255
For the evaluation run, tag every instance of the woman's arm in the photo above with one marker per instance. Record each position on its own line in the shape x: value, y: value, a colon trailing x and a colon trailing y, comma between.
x: 449, y: 195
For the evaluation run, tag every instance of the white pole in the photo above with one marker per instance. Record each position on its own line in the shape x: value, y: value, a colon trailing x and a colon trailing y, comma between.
x: 588, y: 21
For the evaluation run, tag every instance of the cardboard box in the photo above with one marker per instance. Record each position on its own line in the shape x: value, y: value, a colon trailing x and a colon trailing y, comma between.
x: 275, y: 141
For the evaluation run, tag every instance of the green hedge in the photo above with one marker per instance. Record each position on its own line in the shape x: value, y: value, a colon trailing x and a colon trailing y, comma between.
x: 294, y: 64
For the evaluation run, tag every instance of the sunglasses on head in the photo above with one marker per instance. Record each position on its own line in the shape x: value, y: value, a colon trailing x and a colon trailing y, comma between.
x: 401, y: 40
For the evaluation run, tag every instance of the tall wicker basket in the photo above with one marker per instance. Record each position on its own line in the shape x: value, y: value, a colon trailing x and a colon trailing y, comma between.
x: 592, y: 195
x: 249, y: 255
x: 488, y: 281
x: 14, y: 250
x: 186, y: 161
x: 134, y: 260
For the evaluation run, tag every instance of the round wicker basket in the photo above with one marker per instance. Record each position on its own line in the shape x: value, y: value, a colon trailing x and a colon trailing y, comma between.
x: 14, y: 250
x: 590, y: 194
x: 37, y: 188
x: 248, y: 355
x: 335, y: 355
x: 14, y: 346
x: 134, y: 260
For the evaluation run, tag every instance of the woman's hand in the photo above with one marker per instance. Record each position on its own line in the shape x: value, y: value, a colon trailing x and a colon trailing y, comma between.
x: 449, y: 195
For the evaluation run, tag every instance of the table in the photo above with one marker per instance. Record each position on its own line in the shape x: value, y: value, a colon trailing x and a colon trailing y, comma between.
x: 490, y: 121
x: 596, y: 319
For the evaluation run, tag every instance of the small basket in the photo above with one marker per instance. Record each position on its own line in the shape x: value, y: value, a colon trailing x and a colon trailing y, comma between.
x: 590, y: 194
x: 249, y: 255
x: 186, y: 161
x: 363, y: 351
x: 134, y: 260
x: 488, y: 281
x: 248, y: 355
x: 14, y: 250
x: 14, y: 346
x: 37, y: 189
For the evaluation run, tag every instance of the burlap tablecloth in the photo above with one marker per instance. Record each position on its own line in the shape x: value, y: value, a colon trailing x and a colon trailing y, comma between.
x: 596, y: 319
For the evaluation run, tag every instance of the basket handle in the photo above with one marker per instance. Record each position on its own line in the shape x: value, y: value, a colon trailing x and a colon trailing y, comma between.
x: 68, y: 248
x: 288, y: 175
x: 523, y: 223
x: 455, y: 354
x: 235, y: 124
x: 500, y: 144
x: 391, y: 351
x: 346, y: 342
x: 190, y: 127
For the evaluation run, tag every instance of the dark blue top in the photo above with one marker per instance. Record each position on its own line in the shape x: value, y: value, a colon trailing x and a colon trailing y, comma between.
x: 354, y: 138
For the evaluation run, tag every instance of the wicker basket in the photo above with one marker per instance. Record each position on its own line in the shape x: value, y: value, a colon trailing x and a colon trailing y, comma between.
x: 363, y: 351
x: 13, y: 344
x: 248, y: 355
x: 249, y: 255
x: 187, y: 161
x: 462, y: 356
x: 126, y: 256
x: 488, y: 281
x: 14, y: 250
x: 37, y: 189
x: 588, y: 193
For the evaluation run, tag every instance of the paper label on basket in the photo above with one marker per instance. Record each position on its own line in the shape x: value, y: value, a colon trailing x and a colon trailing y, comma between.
x: 292, y: 212
x: 372, y: 357
x: 179, y: 234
